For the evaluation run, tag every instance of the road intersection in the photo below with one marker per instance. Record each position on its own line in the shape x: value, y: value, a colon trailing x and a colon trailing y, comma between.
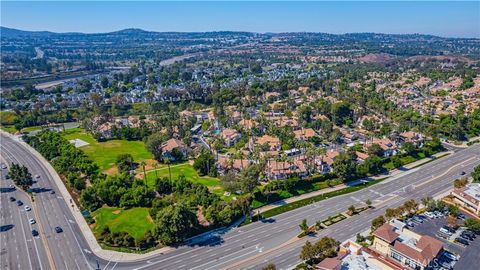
x: 247, y: 247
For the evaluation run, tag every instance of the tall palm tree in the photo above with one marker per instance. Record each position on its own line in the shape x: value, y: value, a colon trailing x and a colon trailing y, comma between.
x: 167, y: 161
x: 144, y: 172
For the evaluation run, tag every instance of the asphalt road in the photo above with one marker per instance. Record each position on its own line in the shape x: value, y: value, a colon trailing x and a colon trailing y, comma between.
x: 19, y: 249
x: 254, y: 245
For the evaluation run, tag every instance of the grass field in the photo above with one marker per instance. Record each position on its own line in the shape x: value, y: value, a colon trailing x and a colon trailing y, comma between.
x: 190, y: 174
x: 104, y: 154
x: 134, y: 221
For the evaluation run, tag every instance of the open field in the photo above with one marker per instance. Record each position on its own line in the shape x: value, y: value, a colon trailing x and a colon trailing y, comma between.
x: 134, y: 221
x: 104, y: 154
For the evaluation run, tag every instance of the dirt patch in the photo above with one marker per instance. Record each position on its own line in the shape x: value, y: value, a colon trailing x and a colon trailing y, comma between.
x: 113, y: 170
x: 117, y: 212
x: 377, y: 58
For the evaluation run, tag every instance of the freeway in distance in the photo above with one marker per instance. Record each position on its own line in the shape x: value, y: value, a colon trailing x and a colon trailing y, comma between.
x: 258, y: 243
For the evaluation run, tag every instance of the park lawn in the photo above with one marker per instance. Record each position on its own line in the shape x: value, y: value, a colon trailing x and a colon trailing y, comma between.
x: 104, y: 154
x: 9, y: 129
x: 134, y: 221
x: 190, y: 174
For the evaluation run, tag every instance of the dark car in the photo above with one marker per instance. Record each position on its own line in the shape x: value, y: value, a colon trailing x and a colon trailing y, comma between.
x: 58, y: 229
x: 462, y: 241
x: 462, y: 173
x: 469, y: 233
x: 19, y: 203
x: 12, y: 199
x: 52, y: 192
x: 34, y: 232
x: 466, y: 236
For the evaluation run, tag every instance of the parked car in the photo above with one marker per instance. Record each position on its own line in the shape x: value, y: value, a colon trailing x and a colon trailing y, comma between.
x: 445, y: 231
x: 34, y: 232
x: 417, y: 219
x: 27, y: 208
x: 12, y: 199
x: 450, y: 256
x: 462, y: 241
x: 32, y: 221
x: 19, y: 203
x: 451, y: 230
x: 461, y: 216
x: 429, y: 215
x: 469, y: 233
x: 58, y: 229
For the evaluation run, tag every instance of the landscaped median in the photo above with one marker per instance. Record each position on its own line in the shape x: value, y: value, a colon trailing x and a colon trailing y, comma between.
x: 307, y: 201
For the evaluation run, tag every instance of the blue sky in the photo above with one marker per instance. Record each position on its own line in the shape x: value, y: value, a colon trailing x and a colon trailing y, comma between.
x: 450, y: 19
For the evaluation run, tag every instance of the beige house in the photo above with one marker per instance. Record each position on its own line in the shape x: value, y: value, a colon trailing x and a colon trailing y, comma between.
x: 406, y: 247
x: 230, y: 136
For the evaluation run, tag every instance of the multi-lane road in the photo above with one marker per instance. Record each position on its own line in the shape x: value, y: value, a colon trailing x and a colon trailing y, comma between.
x: 247, y: 247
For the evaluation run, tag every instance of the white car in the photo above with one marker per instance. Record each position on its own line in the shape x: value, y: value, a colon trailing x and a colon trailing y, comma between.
x: 445, y: 231
x: 450, y: 256
x: 429, y: 214
x: 27, y: 208
x: 32, y: 221
x: 37, y: 176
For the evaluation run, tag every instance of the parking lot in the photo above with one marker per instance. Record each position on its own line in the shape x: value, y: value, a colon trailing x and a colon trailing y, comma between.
x: 469, y: 254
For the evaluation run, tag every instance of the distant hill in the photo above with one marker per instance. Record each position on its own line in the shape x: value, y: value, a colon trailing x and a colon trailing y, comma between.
x: 6, y: 32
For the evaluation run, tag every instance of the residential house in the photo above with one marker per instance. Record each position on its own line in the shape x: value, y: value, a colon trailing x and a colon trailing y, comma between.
x: 169, y: 146
x: 230, y: 136
x: 273, y: 143
x: 226, y: 164
x: 304, y: 134
x: 278, y: 170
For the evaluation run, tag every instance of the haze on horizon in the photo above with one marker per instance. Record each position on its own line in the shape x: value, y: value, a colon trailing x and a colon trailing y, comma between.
x: 446, y: 19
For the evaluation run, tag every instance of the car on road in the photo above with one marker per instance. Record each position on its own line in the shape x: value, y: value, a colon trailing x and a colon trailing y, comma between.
x: 34, y: 232
x: 37, y: 176
x: 27, y: 208
x: 462, y: 173
x: 4, y: 166
x: 32, y: 221
x: 12, y: 199
x: 58, y: 229
x: 462, y: 241
x: 19, y: 203
x: 52, y: 192
x: 11, y: 186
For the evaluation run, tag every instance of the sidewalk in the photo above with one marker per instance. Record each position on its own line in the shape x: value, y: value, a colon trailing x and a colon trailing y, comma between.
x: 391, y: 173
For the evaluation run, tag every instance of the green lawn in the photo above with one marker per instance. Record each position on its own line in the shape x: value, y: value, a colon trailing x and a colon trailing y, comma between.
x: 9, y: 129
x: 190, y: 174
x: 134, y: 221
x: 104, y: 154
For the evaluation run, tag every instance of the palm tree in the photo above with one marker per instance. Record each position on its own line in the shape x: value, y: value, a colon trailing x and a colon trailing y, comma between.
x: 167, y: 161
x: 144, y: 172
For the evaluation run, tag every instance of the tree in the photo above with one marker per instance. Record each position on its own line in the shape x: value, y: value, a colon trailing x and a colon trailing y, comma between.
x: 453, y: 210
x: 341, y: 112
x: 460, y: 183
x: 326, y: 247
x: 308, y: 252
x: 345, y: 166
x: 368, y: 202
x: 124, y: 163
x: 270, y: 266
x: 409, y: 148
x: 351, y: 210
x: 476, y: 174
x: 164, y: 186
x: 452, y: 222
x: 205, y: 164
x: 154, y: 145
x: 20, y: 176
x: 375, y: 150
x: 377, y: 222
x: 304, y: 226
x: 174, y: 224
x: 168, y: 161
x: 472, y: 224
